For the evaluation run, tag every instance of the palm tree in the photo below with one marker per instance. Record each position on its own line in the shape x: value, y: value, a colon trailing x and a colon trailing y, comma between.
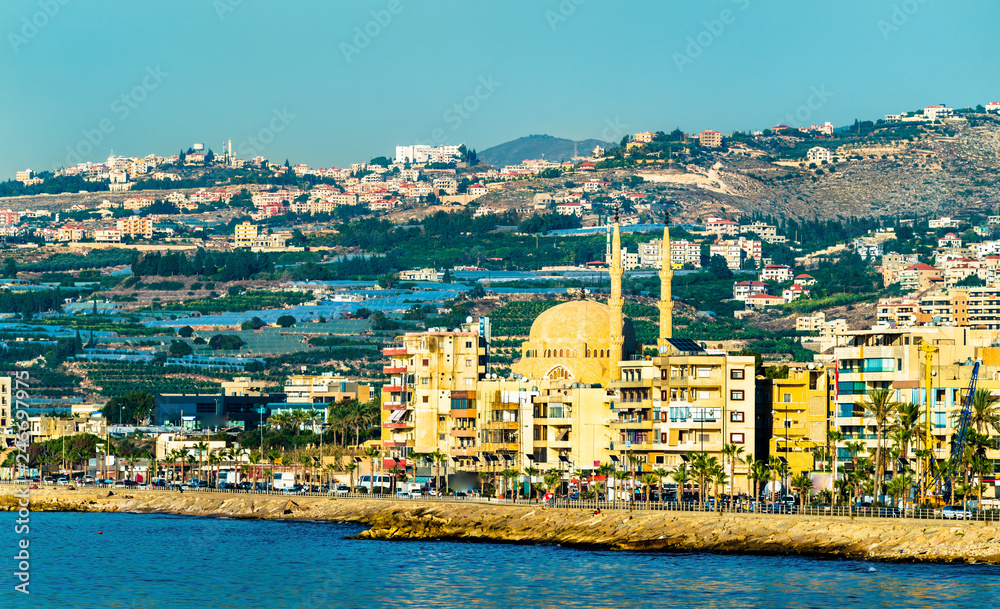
x: 759, y: 472
x: 881, y: 406
x: 681, y: 475
x: 202, y: 448
x: 620, y: 477
x: 191, y: 461
x: 330, y: 468
x: 734, y: 453
x: 777, y: 471
x: 350, y: 468
x: 607, y: 470
x: 483, y: 477
x: 833, y: 437
x: 306, y: 461
x: 985, y: 412
x: 648, y: 480
x: 717, y: 475
x: 635, y: 464
x: 552, y: 479
x: 660, y: 474
x: 531, y: 472
x: 804, y: 483
x: 372, y: 454
x: 437, y: 458
x: 508, y: 475
x: 214, y: 460
x: 272, y: 456
x: 255, y: 460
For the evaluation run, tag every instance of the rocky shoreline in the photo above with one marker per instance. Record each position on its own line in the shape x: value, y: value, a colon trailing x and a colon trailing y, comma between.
x: 832, y: 537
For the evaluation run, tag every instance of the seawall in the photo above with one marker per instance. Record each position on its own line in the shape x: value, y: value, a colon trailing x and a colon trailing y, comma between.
x: 834, y: 537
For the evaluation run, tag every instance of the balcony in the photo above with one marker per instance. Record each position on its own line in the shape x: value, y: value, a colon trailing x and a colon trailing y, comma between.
x: 392, y: 388
x: 394, y: 351
x: 646, y: 424
x: 502, y: 425
x: 388, y: 464
x: 463, y: 432
x: 393, y: 369
x: 463, y: 413
x: 470, y: 451
x: 394, y: 406
x: 555, y: 421
x: 397, y: 443
x: 401, y: 425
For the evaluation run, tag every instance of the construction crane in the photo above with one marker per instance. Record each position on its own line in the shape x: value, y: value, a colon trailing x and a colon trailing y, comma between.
x: 928, y: 350
x: 958, y: 438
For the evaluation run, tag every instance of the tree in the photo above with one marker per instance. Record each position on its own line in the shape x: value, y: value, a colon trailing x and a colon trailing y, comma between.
x: 254, y: 323
x: 985, y: 412
x: 734, y: 453
x: 447, y: 276
x: 880, y: 405
x: 804, y: 483
x: 179, y: 348
x: 648, y: 480
x: 681, y: 475
x: 286, y: 321
x: 531, y: 472
x: 759, y: 472
x: 552, y: 479
x: 10, y: 268
x: 718, y: 266
x: 225, y: 342
x: 134, y: 406
x: 350, y: 468
x: 186, y: 332
x: 202, y: 448
x: 372, y: 454
x: 660, y: 474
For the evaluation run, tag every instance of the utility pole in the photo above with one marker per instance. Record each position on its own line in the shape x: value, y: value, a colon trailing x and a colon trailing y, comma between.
x: 928, y: 351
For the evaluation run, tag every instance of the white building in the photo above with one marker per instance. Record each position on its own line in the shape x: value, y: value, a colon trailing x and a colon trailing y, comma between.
x: 940, y: 112
x: 776, y: 273
x: 818, y: 154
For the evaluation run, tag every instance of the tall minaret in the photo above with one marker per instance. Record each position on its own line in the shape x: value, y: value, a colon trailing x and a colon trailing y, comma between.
x: 615, y: 303
x: 666, y: 276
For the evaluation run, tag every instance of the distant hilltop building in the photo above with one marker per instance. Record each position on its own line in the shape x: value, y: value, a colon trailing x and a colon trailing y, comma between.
x: 419, y: 154
x: 710, y: 139
x: 819, y: 154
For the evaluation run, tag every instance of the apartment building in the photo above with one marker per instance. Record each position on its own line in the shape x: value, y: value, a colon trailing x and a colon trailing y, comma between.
x: 681, y: 253
x: 731, y: 251
x: 326, y: 388
x: 722, y: 226
x: 135, y: 226
x: 71, y: 233
x: 742, y: 289
x: 819, y: 155
x: 919, y: 277
x: 799, y: 406
x: 893, y: 263
x: 431, y: 389
x: 108, y: 235
x: 777, y: 273
x: 245, y: 233
x: 710, y: 139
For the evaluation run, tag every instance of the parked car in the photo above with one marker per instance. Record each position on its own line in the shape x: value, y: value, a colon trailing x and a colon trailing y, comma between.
x: 341, y: 489
x: 889, y: 512
x: 953, y: 512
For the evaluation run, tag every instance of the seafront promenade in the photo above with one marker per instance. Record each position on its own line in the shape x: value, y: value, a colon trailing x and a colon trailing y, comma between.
x: 731, y: 532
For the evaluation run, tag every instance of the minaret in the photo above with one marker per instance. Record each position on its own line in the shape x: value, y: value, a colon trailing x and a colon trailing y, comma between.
x: 615, y: 303
x: 666, y: 276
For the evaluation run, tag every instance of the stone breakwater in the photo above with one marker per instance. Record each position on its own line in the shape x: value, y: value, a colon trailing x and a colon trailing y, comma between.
x: 835, y: 537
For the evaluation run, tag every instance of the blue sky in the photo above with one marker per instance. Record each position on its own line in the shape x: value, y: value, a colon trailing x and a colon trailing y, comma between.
x: 328, y: 83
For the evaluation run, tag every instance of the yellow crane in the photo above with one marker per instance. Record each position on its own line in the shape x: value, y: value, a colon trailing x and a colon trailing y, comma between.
x: 928, y: 350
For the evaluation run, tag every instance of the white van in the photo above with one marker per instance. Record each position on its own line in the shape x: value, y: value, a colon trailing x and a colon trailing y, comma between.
x: 382, y: 483
x: 283, y: 480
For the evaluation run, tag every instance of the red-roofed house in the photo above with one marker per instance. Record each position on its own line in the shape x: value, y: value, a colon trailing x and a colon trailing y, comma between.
x: 919, y: 277
x: 805, y: 280
x: 586, y: 166
x: 476, y: 190
x: 746, y: 288
x: 722, y: 226
x: 993, y: 106
x: 950, y: 240
x: 794, y: 293
x: 776, y: 273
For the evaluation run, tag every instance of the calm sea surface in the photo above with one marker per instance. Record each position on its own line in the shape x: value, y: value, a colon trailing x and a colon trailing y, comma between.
x: 144, y: 560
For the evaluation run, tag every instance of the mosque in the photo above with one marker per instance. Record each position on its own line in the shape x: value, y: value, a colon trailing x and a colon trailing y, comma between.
x: 584, y: 341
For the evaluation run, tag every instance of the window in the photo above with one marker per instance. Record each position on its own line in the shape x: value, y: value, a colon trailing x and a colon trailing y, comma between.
x: 425, y: 381
x: 427, y: 362
x: 441, y: 419
x: 659, y: 459
x: 663, y: 438
x: 786, y: 398
x: 736, y: 438
x: 704, y: 373
x: 736, y: 374
x: 468, y: 363
x: 736, y: 417
x: 468, y: 382
x: 426, y: 399
x: 468, y: 344
x: 736, y: 395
